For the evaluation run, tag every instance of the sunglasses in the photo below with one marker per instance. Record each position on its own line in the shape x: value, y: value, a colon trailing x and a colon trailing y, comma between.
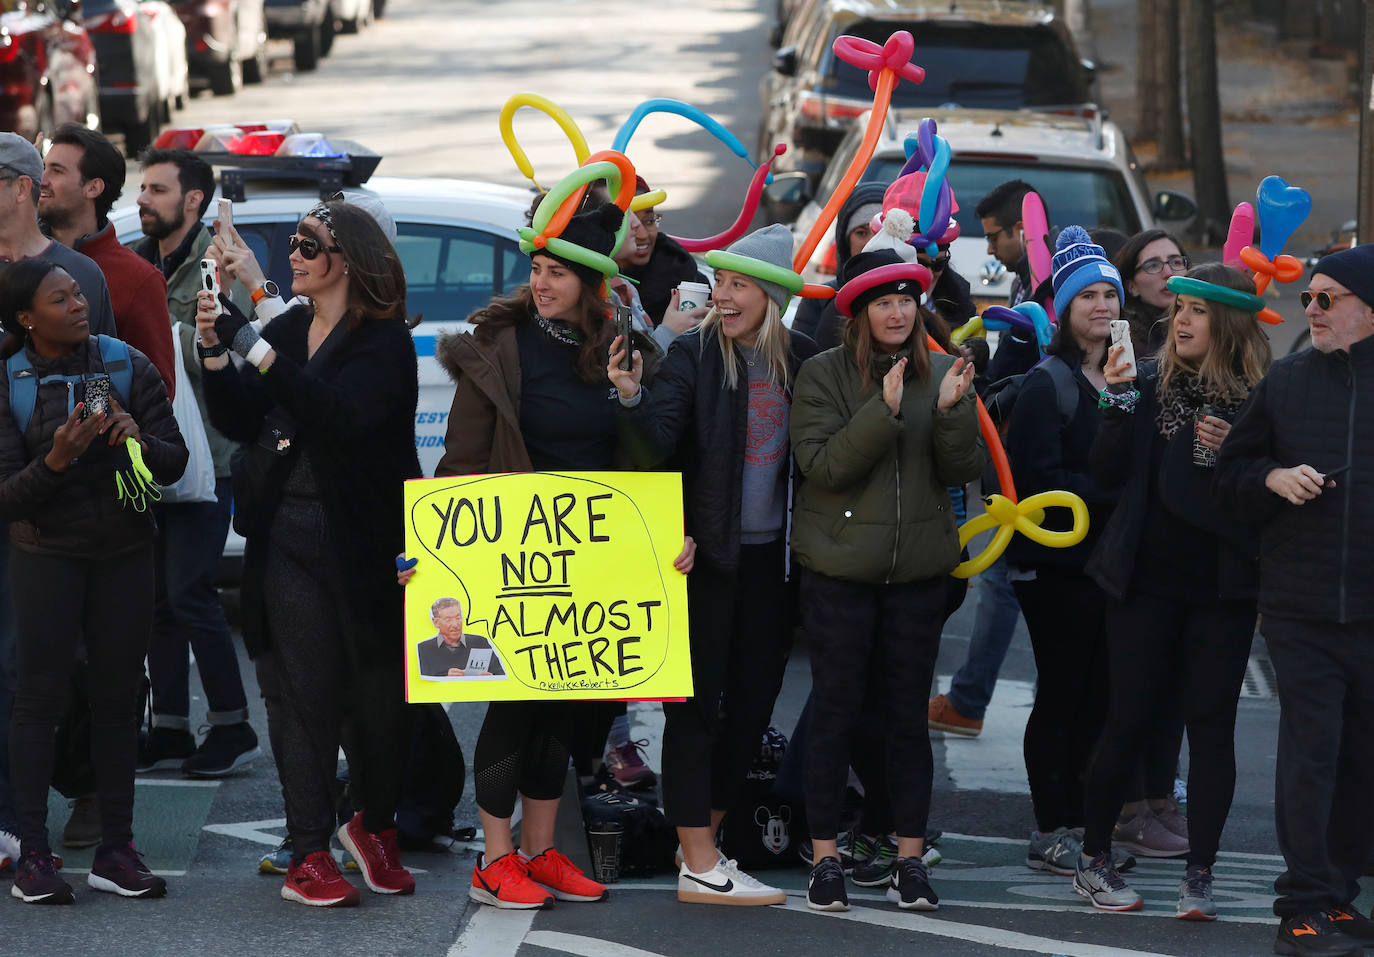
x: 310, y: 248
x: 936, y: 264
x: 1324, y: 299
x: 1153, y: 267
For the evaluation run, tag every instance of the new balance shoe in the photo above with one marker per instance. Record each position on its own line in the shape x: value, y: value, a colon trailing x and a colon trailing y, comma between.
x: 277, y: 861
x: 628, y: 766
x: 943, y: 716
x: 1314, y: 935
x: 378, y: 857
x: 1057, y: 852
x: 120, y: 870
x: 910, y: 886
x: 1146, y: 835
x: 1195, y: 895
x: 877, y: 870
x: 9, y: 849
x: 825, y: 889
x: 1352, y: 923
x: 83, y: 827
x: 316, y: 882
x: 553, y: 871
x: 1099, y: 882
x: 227, y: 748
x: 36, y: 881
x: 164, y: 749
x: 724, y: 884
x: 505, y: 883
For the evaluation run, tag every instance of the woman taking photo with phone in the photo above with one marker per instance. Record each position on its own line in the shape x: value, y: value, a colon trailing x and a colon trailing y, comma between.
x: 721, y: 401
x: 81, y: 559
x: 1181, y: 580
x: 880, y: 427
x: 324, y: 405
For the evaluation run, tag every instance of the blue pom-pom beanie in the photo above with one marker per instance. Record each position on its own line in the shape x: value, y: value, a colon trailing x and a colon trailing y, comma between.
x: 1078, y: 263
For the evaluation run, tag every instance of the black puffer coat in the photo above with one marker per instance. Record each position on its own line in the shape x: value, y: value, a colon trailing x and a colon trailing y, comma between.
x: 77, y: 513
x: 690, y: 412
x: 669, y: 265
x: 1314, y: 409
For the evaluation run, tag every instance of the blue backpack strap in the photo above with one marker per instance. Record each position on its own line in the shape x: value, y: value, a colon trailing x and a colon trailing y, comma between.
x: 114, y: 356
x: 23, y: 388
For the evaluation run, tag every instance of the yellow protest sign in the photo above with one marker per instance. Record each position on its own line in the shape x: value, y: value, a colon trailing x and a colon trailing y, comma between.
x: 546, y: 585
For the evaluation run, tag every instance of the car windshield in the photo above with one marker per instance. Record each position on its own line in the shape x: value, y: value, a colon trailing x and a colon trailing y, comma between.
x: 1004, y: 68
x: 1073, y: 194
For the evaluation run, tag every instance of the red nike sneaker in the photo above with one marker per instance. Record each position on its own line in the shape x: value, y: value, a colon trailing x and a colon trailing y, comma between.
x: 505, y: 883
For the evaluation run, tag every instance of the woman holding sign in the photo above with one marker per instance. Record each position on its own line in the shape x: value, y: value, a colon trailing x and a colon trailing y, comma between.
x: 1181, y: 579
x: 532, y: 395
x: 721, y: 401
x: 881, y: 428
x: 325, y: 406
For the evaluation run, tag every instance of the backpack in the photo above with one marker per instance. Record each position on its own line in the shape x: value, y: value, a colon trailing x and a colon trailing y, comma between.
x: 24, y: 379
x: 1000, y: 399
x: 646, y: 839
x: 762, y: 830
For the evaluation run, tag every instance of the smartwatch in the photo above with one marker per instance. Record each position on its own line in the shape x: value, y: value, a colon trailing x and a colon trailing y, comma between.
x: 268, y: 288
x: 209, y: 352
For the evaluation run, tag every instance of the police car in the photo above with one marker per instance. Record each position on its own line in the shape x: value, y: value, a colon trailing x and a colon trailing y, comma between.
x: 456, y: 238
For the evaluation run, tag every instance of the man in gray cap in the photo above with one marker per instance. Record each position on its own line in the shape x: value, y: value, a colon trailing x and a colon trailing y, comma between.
x: 1299, y: 463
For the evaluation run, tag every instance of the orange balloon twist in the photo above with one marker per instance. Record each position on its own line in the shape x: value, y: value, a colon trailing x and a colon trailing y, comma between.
x: 1280, y: 268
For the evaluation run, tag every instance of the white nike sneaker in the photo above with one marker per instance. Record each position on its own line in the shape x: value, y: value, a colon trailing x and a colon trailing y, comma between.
x: 725, y: 884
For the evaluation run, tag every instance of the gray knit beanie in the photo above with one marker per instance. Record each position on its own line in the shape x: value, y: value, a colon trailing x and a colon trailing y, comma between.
x: 772, y: 245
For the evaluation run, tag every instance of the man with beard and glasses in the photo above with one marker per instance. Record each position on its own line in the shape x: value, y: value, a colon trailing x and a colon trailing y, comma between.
x: 177, y: 188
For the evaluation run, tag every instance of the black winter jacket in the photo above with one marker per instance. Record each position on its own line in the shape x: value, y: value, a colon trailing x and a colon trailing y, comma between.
x: 1121, y: 456
x: 690, y: 412
x: 77, y: 513
x: 1045, y: 457
x: 818, y: 318
x: 1316, y: 409
x: 353, y: 406
x: 669, y: 265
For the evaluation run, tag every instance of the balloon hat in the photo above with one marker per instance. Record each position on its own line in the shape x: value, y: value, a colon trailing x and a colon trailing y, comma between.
x: 1280, y: 209
x: 1215, y: 292
x: 762, y: 256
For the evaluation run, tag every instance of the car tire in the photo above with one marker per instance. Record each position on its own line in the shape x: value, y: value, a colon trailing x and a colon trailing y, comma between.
x: 354, y: 25
x: 327, y: 34
x: 378, y: 9
x: 226, y: 79
x: 307, y: 49
x: 255, y: 70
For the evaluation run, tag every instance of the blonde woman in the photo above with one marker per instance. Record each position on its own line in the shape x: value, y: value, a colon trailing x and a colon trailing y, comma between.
x: 1181, y: 581
x: 721, y: 402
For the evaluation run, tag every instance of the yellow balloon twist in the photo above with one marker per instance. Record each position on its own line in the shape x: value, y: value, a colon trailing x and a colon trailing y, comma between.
x: 1026, y: 517
x: 974, y: 327
x: 550, y: 109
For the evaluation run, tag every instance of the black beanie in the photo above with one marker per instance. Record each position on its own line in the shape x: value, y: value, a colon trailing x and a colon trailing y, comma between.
x: 593, y: 230
x: 864, y: 262
x: 1353, y: 269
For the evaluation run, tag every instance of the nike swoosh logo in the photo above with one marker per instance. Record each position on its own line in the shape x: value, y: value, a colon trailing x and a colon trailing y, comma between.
x: 725, y: 888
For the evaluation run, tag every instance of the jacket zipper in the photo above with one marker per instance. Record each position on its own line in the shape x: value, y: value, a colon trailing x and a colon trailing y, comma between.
x: 897, y: 530
x: 1349, y: 484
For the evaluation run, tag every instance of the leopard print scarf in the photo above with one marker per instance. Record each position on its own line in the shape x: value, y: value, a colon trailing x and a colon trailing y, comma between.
x: 1178, y: 408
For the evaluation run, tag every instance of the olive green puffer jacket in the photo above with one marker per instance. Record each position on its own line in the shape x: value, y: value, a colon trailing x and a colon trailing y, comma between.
x: 873, y: 505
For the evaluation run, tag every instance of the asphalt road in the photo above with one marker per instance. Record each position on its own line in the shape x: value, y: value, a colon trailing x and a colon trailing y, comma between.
x: 424, y: 87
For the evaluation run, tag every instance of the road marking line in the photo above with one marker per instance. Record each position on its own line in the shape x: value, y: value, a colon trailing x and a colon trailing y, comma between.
x: 492, y: 932
x: 1222, y: 856
x: 175, y: 783
x: 87, y: 870
x: 584, y: 946
x: 250, y: 831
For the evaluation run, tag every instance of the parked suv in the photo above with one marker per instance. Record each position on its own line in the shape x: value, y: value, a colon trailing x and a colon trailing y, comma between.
x: 308, y: 24
x: 226, y: 42
x: 976, y: 53
x: 47, y: 68
x: 1081, y: 165
x: 141, y: 45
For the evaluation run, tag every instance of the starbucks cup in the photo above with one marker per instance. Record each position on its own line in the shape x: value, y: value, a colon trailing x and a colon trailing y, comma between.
x: 692, y: 295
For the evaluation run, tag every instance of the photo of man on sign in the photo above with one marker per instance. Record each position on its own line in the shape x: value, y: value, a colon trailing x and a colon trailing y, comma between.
x: 453, y: 653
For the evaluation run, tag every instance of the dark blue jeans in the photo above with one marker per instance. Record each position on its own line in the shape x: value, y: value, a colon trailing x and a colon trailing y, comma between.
x: 189, y: 613
x: 7, y: 681
x: 994, y: 623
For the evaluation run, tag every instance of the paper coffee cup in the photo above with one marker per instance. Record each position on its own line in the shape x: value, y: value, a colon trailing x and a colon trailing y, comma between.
x: 603, y: 841
x: 692, y: 295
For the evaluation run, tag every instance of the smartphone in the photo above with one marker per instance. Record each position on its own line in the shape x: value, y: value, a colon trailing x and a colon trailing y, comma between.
x: 1121, y: 336
x: 95, y: 395
x: 226, y: 215
x: 624, y: 327
x: 209, y: 277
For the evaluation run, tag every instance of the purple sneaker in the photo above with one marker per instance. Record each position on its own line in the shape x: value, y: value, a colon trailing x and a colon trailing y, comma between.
x: 628, y: 767
x: 36, y: 881
x: 120, y: 870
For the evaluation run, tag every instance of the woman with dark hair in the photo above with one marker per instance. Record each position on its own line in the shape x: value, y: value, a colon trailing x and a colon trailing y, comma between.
x: 1051, y: 433
x: 325, y: 407
x: 81, y: 560
x: 532, y: 395
x: 721, y: 402
x: 1145, y: 262
x: 1182, y: 581
x: 880, y: 427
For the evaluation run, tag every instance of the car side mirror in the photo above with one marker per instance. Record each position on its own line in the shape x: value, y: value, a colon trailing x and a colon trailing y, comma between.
x: 785, y: 61
x: 1173, y: 207
x: 1089, y: 68
x: 786, y: 195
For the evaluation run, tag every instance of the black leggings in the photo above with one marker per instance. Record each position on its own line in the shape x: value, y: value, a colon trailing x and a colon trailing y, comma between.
x: 1064, y: 612
x: 60, y: 605
x: 523, y: 749
x: 311, y: 679
x: 740, y: 636
x: 847, y: 624
x: 1168, y: 656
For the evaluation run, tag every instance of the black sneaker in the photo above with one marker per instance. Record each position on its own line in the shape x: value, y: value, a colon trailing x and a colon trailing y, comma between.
x: 910, y: 888
x: 36, y: 881
x: 120, y: 870
x: 877, y: 870
x: 1352, y: 923
x: 825, y: 890
x: 1314, y: 935
x: 164, y: 749
x: 226, y: 748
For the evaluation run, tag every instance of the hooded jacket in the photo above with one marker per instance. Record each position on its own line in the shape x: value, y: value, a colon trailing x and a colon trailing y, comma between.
x: 818, y: 318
